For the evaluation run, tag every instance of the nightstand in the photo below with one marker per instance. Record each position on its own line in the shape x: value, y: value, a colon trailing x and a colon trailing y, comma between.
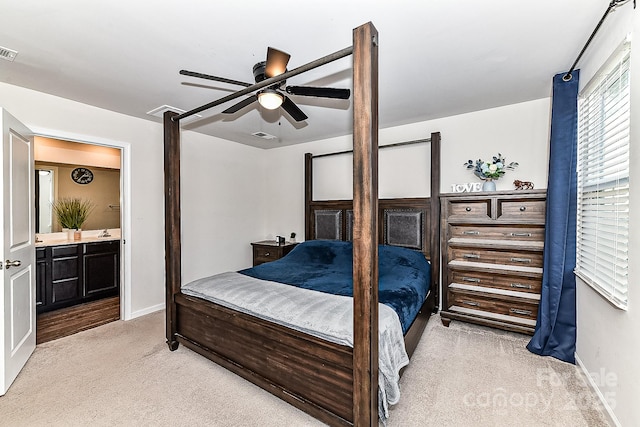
x: 270, y: 250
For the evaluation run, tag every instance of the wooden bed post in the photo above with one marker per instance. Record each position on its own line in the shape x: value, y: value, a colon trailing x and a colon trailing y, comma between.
x: 434, y: 222
x: 308, y: 194
x: 365, y: 225
x: 172, y: 222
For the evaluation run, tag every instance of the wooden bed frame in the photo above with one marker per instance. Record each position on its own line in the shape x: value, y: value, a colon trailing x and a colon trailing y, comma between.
x: 334, y: 383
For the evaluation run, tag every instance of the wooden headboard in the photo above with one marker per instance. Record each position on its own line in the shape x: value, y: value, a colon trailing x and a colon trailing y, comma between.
x: 408, y: 222
x: 401, y: 222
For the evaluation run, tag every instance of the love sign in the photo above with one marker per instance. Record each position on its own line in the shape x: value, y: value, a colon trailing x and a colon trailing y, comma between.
x: 466, y: 187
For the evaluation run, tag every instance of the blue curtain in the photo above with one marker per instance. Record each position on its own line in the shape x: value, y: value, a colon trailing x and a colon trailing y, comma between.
x: 555, y: 332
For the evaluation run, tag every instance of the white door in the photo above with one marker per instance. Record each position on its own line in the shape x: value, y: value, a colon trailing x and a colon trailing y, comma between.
x: 17, y: 297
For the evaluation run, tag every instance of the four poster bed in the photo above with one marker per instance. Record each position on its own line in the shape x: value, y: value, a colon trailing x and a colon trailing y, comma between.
x: 331, y: 380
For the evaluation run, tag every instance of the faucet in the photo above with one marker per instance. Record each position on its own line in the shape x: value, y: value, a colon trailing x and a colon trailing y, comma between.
x: 104, y: 233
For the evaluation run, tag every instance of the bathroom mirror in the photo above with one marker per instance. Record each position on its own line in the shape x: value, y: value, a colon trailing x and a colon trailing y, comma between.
x: 44, y: 200
x: 67, y: 169
x: 56, y: 180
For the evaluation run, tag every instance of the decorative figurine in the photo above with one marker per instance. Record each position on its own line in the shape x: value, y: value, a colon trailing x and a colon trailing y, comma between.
x: 523, y: 185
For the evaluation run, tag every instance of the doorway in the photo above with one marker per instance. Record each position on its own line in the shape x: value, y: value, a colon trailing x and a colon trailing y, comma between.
x: 81, y: 279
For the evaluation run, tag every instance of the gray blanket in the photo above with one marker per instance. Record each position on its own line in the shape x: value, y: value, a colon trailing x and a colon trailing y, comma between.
x: 326, y: 316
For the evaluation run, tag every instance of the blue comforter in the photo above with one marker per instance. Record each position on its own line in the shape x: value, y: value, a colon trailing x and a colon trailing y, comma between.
x: 326, y: 266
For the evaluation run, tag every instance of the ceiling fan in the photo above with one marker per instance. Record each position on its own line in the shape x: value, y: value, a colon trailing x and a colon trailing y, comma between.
x: 273, y: 97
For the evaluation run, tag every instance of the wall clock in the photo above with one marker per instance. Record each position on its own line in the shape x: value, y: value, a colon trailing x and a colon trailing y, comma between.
x: 82, y: 175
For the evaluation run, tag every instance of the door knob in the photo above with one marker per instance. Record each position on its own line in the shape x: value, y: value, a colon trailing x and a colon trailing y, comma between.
x: 8, y: 263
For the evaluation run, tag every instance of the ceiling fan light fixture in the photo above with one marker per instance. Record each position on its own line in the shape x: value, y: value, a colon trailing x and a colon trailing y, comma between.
x: 270, y: 99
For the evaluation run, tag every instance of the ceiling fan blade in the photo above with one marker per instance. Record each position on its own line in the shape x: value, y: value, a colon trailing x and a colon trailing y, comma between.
x: 210, y: 77
x: 277, y: 61
x: 240, y: 105
x: 321, y: 92
x: 290, y: 107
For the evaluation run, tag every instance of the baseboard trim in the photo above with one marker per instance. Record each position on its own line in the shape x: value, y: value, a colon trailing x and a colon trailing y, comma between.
x: 147, y: 310
x: 608, y: 410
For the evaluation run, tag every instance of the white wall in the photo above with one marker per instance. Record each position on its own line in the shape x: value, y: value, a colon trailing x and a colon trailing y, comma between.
x: 608, y: 344
x: 520, y: 132
x: 224, y: 164
x: 223, y: 195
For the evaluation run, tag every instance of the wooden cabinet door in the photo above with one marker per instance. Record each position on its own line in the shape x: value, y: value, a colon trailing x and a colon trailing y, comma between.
x: 41, y: 278
x: 101, y: 268
x: 101, y: 273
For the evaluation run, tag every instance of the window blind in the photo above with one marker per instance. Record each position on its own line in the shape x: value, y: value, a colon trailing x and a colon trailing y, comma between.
x: 603, y: 179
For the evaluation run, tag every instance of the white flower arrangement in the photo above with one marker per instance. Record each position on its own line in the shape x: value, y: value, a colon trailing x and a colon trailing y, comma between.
x: 490, y: 170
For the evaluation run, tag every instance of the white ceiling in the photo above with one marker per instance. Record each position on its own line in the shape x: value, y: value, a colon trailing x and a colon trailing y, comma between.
x: 437, y: 58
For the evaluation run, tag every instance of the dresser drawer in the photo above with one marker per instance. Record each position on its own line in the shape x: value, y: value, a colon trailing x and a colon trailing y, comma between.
x: 102, y: 247
x: 470, y: 209
x: 514, y: 283
x: 498, y: 305
x: 530, y: 210
x: 535, y: 234
x: 40, y: 253
x: 269, y: 250
x: 514, y: 258
x: 266, y: 254
x: 66, y: 250
x: 65, y: 268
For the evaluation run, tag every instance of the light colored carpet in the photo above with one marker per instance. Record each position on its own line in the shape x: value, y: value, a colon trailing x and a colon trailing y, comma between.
x: 123, y: 374
x: 469, y: 375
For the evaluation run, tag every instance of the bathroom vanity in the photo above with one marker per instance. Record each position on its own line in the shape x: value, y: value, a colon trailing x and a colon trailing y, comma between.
x: 70, y: 272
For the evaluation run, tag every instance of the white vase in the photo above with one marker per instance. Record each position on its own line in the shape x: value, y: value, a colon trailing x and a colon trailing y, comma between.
x: 489, y: 185
x: 70, y: 232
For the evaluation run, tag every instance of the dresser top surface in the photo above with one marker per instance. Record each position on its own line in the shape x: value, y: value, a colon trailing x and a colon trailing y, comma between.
x: 485, y: 194
x: 272, y: 243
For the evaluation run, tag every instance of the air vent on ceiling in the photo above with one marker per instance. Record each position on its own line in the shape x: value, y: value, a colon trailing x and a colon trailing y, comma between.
x: 264, y: 135
x: 159, y: 112
x: 8, y: 54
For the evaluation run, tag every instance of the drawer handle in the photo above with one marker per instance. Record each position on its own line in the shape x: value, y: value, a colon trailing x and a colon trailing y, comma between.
x: 522, y: 312
x: 521, y: 286
x: 471, y: 233
x: 523, y: 260
x: 468, y: 209
x: 267, y: 253
x: 471, y: 279
x: 523, y: 208
x: 473, y: 256
x: 521, y: 234
x: 473, y: 303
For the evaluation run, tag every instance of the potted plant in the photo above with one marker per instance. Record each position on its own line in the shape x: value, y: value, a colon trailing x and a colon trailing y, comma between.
x: 72, y: 212
x: 292, y: 238
x: 490, y: 170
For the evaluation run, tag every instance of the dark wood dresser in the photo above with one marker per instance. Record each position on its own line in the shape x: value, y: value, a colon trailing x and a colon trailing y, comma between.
x: 492, y: 256
x: 270, y: 250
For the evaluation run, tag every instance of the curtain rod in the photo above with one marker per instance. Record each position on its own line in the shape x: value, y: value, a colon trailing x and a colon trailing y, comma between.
x: 397, y: 144
x: 268, y: 82
x: 612, y: 5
